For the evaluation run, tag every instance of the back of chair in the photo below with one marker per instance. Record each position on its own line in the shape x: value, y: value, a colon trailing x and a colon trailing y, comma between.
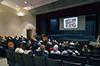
x: 28, y: 61
x: 10, y: 57
x: 66, y: 63
x: 39, y: 61
x: 75, y: 59
x: 19, y: 59
x: 94, y: 62
x: 79, y: 59
x: 53, y: 62
x: 55, y: 56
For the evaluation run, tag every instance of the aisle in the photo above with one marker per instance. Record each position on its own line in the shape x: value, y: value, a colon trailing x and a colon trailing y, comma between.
x: 3, y: 62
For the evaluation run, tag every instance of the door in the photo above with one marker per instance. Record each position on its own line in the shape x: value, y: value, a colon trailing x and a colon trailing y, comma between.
x: 29, y: 33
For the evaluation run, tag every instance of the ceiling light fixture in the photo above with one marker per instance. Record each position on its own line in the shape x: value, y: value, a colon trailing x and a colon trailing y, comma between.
x: 28, y: 5
x: 20, y: 13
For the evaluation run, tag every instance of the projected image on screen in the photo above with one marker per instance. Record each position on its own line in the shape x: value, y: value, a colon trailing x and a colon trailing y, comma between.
x: 71, y: 22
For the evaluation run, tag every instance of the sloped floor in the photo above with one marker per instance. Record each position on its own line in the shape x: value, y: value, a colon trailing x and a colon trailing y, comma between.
x: 3, y: 62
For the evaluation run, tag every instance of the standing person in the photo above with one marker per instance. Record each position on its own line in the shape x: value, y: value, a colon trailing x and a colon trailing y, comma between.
x: 10, y: 54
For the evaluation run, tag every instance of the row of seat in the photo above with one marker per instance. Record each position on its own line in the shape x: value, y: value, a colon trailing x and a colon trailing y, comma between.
x: 26, y: 60
x: 84, y: 60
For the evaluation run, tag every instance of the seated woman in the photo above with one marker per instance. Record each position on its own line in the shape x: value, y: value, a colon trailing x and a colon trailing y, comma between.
x: 55, y: 50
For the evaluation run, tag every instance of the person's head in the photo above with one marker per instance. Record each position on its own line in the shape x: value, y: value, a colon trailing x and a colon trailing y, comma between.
x: 55, y: 47
x: 10, y: 44
x: 44, y: 37
x: 85, y: 46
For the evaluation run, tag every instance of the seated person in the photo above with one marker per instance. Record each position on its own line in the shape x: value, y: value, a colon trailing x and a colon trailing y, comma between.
x: 85, y: 48
x: 72, y: 43
x: 19, y: 49
x: 10, y: 53
x: 44, y: 40
x: 55, y: 50
x: 70, y: 52
x: 27, y: 50
x: 41, y: 51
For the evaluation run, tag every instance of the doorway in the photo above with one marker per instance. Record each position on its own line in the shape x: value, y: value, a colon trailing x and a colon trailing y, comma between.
x: 29, y: 33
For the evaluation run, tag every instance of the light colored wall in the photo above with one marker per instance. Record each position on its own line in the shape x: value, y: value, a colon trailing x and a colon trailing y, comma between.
x: 11, y: 24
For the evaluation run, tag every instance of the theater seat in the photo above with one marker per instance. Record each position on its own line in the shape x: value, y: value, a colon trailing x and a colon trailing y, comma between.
x: 28, y: 61
x: 10, y: 57
x: 19, y: 59
x: 55, y: 56
x: 53, y: 62
x: 94, y: 61
x: 66, y: 63
x: 39, y: 61
x: 75, y: 59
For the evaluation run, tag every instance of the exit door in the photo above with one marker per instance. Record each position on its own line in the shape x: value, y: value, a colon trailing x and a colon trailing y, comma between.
x: 29, y: 33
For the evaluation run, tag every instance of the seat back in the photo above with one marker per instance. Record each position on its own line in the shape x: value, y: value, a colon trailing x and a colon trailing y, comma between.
x: 28, y: 61
x: 53, y: 62
x: 55, y: 56
x: 39, y: 61
x: 66, y: 63
x: 94, y: 62
x: 10, y: 57
x: 19, y: 59
x: 79, y: 59
x: 75, y: 59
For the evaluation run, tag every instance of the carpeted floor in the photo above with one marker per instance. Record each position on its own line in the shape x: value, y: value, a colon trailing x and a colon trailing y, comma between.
x: 3, y: 62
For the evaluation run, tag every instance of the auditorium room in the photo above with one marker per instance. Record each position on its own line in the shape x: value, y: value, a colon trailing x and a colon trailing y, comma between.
x: 49, y: 32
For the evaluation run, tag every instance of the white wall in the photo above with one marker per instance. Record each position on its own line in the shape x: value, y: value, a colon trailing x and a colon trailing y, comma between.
x: 11, y: 24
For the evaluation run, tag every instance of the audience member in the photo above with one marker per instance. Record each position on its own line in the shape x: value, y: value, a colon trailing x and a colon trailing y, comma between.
x: 28, y: 50
x: 10, y: 53
x: 55, y: 50
x: 19, y: 49
x: 85, y: 48
x: 70, y: 52
x: 72, y: 43
x: 42, y: 51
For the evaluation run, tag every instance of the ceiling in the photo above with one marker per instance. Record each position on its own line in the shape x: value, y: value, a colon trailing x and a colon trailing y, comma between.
x: 25, y: 4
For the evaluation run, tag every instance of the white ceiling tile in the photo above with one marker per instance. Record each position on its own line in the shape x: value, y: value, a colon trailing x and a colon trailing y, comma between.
x: 30, y: 3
